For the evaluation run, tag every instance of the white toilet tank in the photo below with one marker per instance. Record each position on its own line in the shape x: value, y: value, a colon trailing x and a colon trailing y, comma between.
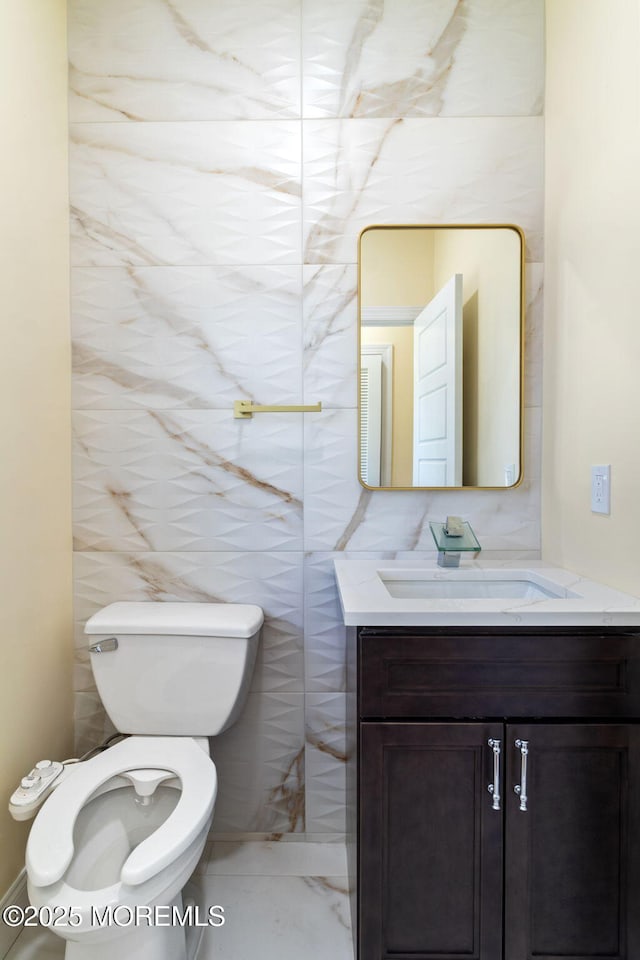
x: 174, y: 669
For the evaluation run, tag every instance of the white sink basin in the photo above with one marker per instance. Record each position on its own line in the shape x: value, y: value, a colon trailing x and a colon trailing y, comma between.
x: 414, y: 591
x: 470, y: 585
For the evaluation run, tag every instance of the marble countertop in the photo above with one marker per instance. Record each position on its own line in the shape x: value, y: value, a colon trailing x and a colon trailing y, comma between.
x: 366, y: 601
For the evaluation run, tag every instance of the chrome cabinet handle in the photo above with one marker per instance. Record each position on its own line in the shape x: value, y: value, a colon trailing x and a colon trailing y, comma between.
x: 521, y: 788
x: 494, y: 788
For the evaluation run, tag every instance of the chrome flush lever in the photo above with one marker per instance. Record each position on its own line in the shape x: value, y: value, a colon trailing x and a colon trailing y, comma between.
x: 494, y: 788
x: 521, y: 788
x: 104, y: 646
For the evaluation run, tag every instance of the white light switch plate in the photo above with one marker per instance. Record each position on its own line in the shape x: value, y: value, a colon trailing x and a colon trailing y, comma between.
x: 601, y: 488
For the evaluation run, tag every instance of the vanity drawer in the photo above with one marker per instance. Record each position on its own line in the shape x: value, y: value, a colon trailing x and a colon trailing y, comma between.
x: 569, y: 672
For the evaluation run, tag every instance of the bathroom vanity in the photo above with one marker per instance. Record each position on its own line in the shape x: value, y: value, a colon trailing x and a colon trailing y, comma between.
x: 494, y: 783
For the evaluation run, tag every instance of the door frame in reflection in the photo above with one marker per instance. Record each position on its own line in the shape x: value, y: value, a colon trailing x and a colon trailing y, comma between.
x: 379, y: 410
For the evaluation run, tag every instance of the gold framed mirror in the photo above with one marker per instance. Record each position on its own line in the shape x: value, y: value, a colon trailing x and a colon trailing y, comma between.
x: 440, y: 356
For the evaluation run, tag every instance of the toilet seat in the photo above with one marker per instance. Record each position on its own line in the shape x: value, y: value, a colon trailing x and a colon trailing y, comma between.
x: 50, y: 847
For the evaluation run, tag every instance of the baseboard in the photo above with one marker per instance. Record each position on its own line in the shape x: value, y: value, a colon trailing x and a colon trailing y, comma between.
x: 16, y: 894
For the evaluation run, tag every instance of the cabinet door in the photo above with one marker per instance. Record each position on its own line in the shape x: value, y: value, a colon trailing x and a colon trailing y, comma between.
x: 572, y: 881
x: 430, y: 842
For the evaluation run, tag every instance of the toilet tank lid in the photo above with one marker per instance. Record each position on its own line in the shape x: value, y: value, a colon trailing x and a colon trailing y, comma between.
x: 180, y: 619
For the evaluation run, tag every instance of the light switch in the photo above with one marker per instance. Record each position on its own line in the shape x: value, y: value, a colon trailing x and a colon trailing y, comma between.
x: 601, y: 489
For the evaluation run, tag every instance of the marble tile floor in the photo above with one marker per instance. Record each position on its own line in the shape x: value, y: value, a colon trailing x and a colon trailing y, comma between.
x: 282, y: 901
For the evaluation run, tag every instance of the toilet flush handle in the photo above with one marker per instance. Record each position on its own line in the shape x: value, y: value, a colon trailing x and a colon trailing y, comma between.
x: 104, y: 646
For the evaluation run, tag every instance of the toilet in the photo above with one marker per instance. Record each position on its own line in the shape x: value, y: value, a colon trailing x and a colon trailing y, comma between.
x: 124, y: 830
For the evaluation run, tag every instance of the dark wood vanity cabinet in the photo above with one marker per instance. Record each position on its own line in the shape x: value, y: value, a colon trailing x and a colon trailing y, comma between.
x: 452, y: 861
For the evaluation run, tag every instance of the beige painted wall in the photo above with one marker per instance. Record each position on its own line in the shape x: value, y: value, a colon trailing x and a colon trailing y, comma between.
x: 396, y: 267
x: 35, y: 522
x: 592, y: 327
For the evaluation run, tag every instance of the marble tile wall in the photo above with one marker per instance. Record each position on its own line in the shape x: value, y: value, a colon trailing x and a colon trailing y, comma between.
x: 224, y: 157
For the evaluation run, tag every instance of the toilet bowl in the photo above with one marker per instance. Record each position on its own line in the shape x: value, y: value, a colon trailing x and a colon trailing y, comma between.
x: 119, y: 835
x: 114, y: 844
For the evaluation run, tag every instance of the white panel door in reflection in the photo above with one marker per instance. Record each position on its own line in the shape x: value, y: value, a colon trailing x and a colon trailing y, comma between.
x: 437, y: 398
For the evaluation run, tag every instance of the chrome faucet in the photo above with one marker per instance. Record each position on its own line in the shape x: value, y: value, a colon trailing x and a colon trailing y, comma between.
x: 453, y: 538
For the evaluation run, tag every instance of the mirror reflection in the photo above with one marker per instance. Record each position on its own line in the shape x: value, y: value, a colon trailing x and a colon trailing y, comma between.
x: 440, y: 345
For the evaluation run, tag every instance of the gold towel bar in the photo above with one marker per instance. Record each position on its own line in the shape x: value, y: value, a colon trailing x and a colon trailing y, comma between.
x: 244, y: 409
